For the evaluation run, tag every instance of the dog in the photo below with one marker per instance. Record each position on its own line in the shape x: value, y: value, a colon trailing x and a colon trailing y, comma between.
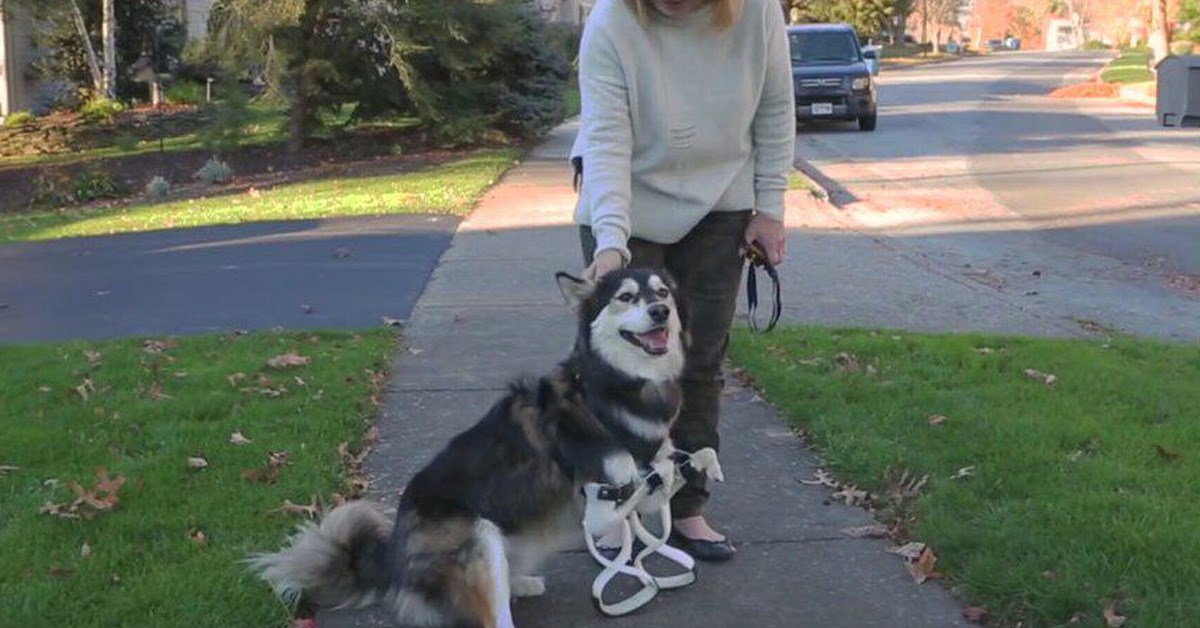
x: 473, y: 525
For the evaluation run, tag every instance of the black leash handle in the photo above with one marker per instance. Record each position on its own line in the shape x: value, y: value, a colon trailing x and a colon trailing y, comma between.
x: 757, y: 257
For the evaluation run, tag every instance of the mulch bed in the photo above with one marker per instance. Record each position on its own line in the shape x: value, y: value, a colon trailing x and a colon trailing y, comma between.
x: 1093, y: 89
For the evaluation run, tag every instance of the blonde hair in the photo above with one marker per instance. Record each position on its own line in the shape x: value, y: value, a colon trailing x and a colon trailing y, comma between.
x: 725, y: 12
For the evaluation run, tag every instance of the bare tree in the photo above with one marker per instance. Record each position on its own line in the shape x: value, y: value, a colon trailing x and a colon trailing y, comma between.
x: 108, y: 30
x: 1160, y: 30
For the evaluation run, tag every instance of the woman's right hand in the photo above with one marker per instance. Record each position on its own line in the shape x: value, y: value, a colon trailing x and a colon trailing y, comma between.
x: 603, y: 263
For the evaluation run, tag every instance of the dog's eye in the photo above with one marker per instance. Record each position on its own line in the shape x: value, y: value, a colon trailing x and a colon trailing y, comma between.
x: 663, y: 293
x: 625, y: 297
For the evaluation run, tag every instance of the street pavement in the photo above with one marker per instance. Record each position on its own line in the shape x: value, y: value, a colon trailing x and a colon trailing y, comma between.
x: 1082, y: 212
x: 344, y: 273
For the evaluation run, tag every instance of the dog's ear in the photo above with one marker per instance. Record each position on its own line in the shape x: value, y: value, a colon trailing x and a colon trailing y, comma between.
x: 574, y: 289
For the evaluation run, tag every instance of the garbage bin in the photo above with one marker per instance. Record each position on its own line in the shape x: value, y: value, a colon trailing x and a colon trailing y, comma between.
x: 1178, y: 102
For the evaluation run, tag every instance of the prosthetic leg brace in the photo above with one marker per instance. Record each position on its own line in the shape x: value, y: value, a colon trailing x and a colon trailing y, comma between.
x: 621, y: 507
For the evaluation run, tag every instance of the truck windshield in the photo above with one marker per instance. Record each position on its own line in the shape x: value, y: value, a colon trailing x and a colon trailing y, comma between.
x: 823, y: 47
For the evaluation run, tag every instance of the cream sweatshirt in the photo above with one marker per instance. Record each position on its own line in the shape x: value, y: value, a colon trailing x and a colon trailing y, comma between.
x: 680, y: 119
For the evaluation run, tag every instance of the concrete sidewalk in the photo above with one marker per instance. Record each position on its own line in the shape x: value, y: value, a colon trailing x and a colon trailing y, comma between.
x: 492, y: 311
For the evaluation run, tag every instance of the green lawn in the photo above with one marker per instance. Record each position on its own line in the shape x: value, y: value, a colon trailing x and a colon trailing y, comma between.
x: 1075, y: 495
x: 451, y: 188
x: 169, y: 553
x: 1132, y: 66
x: 265, y: 126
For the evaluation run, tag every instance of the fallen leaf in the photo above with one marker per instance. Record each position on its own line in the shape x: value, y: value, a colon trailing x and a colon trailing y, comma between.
x: 87, y: 503
x: 822, y: 478
x: 197, y: 463
x: 847, y: 362
x: 1113, y: 619
x: 197, y: 536
x: 307, y: 510
x: 388, y: 321
x: 415, y: 351
x: 85, y: 551
x: 85, y: 389
x: 341, y: 252
x: 1050, y: 575
x: 937, y: 419
x: 156, y: 393
x: 1046, y: 378
x: 306, y: 308
x: 287, y: 360
x: 1166, y: 454
x: 910, y: 551
x: 158, y: 346
x: 873, y: 531
x: 235, y: 379
x: 237, y: 438
x: 5, y: 469
x: 964, y: 472
x: 923, y: 568
x: 984, y: 351
x: 182, y: 374
x: 975, y: 614
x: 44, y: 389
x: 93, y: 357
x: 852, y: 495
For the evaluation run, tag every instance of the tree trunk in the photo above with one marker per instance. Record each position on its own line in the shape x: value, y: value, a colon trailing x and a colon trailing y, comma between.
x: 1160, y: 31
x: 109, y: 34
x: 93, y: 63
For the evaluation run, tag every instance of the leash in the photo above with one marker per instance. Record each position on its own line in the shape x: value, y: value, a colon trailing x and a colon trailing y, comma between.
x: 622, y: 506
x: 756, y: 258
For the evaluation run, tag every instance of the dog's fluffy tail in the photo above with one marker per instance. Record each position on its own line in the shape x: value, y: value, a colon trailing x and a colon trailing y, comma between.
x: 337, y: 563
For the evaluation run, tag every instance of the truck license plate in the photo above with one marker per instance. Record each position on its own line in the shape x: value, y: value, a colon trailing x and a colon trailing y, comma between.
x: 822, y: 109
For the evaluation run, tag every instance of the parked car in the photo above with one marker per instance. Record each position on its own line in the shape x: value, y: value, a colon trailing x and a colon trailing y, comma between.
x: 832, y: 78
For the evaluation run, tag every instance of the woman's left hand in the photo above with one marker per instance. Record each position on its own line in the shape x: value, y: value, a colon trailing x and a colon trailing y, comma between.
x: 768, y: 232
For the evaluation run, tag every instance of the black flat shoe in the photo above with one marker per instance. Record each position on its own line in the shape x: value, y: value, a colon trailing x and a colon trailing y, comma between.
x: 708, y: 551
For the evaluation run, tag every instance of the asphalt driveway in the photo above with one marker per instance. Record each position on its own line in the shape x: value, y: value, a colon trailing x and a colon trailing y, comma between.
x: 345, y: 273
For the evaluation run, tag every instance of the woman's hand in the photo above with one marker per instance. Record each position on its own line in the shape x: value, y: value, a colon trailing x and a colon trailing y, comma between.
x: 603, y: 263
x: 768, y: 232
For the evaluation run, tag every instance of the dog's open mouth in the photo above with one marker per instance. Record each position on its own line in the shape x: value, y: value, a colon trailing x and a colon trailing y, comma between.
x: 653, y: 342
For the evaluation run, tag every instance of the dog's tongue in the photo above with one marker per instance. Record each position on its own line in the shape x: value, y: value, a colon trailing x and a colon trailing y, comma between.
x: 656, y: 340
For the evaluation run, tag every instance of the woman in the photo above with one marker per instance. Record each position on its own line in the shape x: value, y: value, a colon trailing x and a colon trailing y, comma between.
x: 686, y: 138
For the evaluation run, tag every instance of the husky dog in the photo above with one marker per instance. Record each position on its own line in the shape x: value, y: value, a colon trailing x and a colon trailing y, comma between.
x: 475, y: 522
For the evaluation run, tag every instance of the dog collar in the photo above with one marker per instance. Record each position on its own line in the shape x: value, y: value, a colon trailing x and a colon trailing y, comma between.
x: 618, y: 494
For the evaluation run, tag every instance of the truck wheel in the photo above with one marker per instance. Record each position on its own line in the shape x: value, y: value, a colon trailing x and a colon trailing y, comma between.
x: 866, y: 123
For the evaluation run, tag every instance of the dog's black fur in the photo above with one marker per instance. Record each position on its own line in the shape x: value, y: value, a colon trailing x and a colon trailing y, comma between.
x: 520, y: 468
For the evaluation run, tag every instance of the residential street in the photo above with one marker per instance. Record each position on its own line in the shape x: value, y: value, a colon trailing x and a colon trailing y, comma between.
x: 1083, y: 211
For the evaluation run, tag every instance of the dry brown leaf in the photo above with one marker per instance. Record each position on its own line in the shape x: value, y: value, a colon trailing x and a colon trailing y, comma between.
x: 937, y: 419
x: 910, y: 551
x: 85, y: 551
x: 197, y: 536
x: 923, y: 568
x: 822, y: 478
x: 984, y: 350
x: 306, y: 510
x: 873, y: 531
x: 101, y: 498
x: 93, y: 357
x: 239, y: 439
x: 235, y: 379
x: 182, y: 374
x: 341, y: 252
x: 975, y: 614
x: 306, y: 308
x: 852, y: 495
x: 1046, y: 378
x: 158, y: 346
x: 1166, y: 454
x: 1112, y: 618
x: 1050, y: 575
x: 5, y: 469
x: 156, y: 393
x: 288, y: 360
x: 85, y: 389
x: 388, y: 321
x: 197, y: 463
x: 44, y: 389
x: 847, y: 362
x: 964, y: 472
